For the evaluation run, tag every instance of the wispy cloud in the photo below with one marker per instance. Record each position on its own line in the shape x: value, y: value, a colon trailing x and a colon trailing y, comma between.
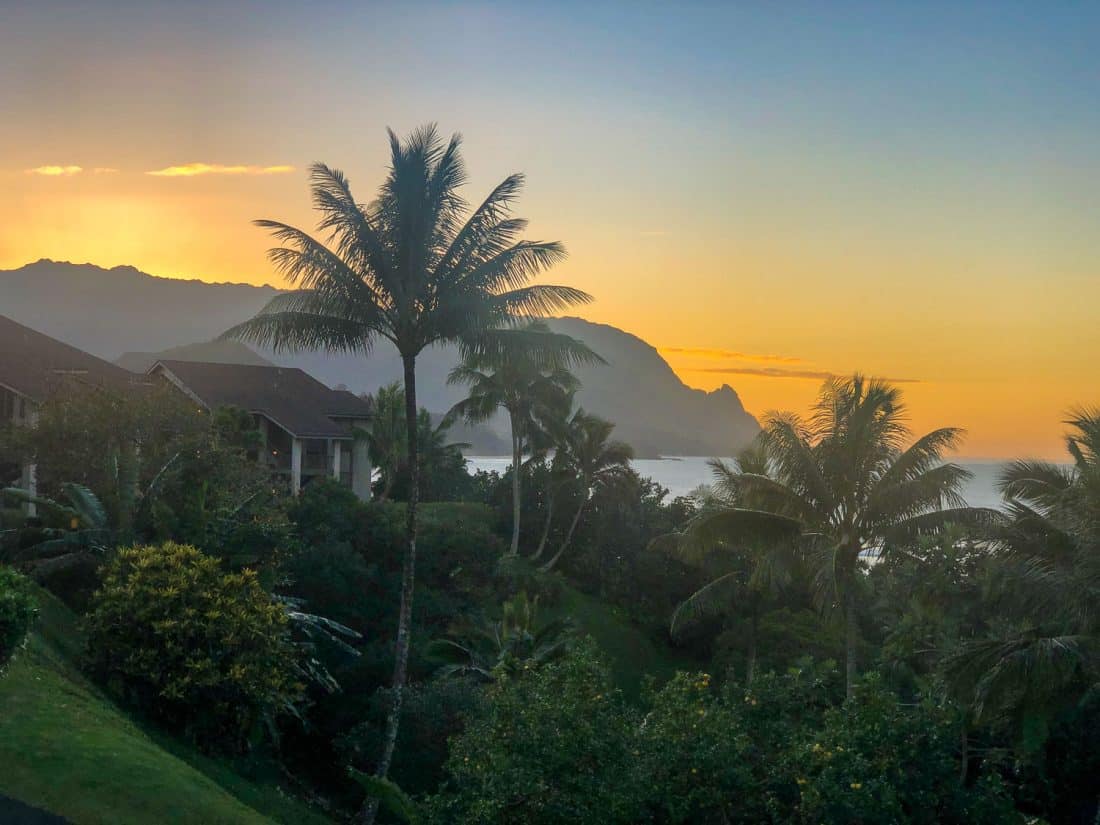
x: 54, y: 171
x: 703, y: 352
x: 780, y: 372
x: 190, y: 170
x: 104, y: 170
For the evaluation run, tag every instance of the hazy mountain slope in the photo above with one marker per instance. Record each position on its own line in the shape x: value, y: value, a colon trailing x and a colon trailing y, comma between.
x: 110, y: 312
x: 210, y: 352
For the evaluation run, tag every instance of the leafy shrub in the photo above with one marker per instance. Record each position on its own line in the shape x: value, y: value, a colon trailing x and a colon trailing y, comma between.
x: 874, y: 760
x: 195, y: 647
x: 17, y: 613
x: 552, y: 747
x: 693, y: 755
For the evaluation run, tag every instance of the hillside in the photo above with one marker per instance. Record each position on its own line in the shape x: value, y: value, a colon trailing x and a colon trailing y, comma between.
x: 139, y: 317
x: 66, y: 748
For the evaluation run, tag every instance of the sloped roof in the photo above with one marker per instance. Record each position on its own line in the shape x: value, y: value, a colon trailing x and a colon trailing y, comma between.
x: 291, y: 398
x: 36, y: 365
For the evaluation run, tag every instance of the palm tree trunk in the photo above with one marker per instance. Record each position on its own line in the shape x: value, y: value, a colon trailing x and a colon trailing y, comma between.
x: 851, y: 642
x: 568, y: 537
x: 513, y: 549
x: 750, y: 667
x: 964, y: 757
x: 408, y: 576
x: 387, y: 486
x: 546, y: 526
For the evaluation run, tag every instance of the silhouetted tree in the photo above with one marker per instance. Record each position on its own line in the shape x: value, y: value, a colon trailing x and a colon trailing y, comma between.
x: 413, y: 267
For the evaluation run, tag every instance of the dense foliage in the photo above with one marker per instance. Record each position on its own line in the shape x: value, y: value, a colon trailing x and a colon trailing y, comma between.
x: 200, y: 649
x: 17, y: 612
x: 559, y: 744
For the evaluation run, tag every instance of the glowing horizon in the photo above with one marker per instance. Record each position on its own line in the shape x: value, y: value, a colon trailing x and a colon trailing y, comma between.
x: 769, y: 197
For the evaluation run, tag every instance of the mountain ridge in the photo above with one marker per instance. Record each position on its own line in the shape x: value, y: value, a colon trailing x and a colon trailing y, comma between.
x: 141, y: 317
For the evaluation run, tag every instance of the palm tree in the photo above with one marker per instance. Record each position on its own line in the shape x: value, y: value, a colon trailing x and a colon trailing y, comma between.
x: 844, y: 484
x: 746, y: 569
x: 559, y: 475
x: 386, y: 439
x: 486, y: 649
x: 1043, y: 653
x: 83, y: 534
x: 595, y: 461
x: 416, y: 268
x: 528, y: 391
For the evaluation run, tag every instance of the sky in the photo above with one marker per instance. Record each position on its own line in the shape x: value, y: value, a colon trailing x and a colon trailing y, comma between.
x: 768, y: 193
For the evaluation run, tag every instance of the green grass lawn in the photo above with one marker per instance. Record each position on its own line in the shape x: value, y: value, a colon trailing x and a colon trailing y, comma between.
x: 632, y: 655
x: 66, y: 748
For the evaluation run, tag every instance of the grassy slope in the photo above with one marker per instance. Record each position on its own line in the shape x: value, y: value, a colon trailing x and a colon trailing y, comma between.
x: 632, y: 654
x: 66, y: 748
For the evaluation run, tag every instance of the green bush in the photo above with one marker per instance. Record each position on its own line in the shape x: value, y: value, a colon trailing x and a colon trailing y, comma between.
x: 557, y: 744
x: 197, y: 648
x: 17, y: 613
x: 552, y: 747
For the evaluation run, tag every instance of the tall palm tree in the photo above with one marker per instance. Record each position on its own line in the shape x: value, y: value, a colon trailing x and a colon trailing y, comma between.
x: 847, y: 482
x: 386, y: 439
x: 595, y: 460
x: 1044, y: 651
x: 747, y: 569
x: 528, y: 391
x: 417, y: 268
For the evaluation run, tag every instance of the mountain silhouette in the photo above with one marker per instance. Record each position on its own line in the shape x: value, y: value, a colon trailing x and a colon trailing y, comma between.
x: 126, y: 315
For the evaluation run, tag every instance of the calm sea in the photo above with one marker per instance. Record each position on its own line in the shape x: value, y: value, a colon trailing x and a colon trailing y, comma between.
x: 683, y: 474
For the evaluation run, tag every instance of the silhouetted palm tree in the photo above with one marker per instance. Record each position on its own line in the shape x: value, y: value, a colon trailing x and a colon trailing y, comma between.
x: 387, y: 439
x: 747, y: 569
x: 528, y: 391
x: 488, y: 649
x: 1044, y: 652
x: 844, y: 484
x: 594, y: 460
x: 413, y: 267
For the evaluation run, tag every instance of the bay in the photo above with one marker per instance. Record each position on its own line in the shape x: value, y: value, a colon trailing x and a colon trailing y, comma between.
x: 683, y: 474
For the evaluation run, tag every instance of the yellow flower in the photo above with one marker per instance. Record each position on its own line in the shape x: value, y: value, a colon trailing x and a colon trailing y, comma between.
x: 856, y: 786
x: 800, y: 781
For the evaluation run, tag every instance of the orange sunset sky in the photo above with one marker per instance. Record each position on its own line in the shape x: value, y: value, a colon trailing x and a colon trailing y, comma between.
x: 768, y: 196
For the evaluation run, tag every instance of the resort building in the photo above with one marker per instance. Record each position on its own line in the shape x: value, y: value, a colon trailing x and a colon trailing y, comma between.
x: 34, y: 366
x: 308, y: 430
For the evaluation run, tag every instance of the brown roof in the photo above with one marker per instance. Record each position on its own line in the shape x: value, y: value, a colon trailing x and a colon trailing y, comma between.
x: 36, y: 365
x: 291, y: 398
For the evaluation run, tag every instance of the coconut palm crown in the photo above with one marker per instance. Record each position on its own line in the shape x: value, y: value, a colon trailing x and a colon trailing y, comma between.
x: 847, y: 483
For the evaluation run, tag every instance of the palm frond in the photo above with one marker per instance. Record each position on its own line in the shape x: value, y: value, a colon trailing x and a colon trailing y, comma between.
x: 303, y: 331
x: 708, y: 602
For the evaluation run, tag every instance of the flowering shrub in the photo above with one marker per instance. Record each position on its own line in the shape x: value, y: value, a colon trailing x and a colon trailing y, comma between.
x: 17, y: 612
x: 874, y: 760
x: 195, y: 647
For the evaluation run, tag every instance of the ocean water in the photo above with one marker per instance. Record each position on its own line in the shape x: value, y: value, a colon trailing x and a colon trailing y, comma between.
x: 682, y: 474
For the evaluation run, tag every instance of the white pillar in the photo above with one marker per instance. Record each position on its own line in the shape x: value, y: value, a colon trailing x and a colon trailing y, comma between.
x: 29, y: 482
x: 360, y: 462
x: 295, y: 466
x: 336, y: 460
